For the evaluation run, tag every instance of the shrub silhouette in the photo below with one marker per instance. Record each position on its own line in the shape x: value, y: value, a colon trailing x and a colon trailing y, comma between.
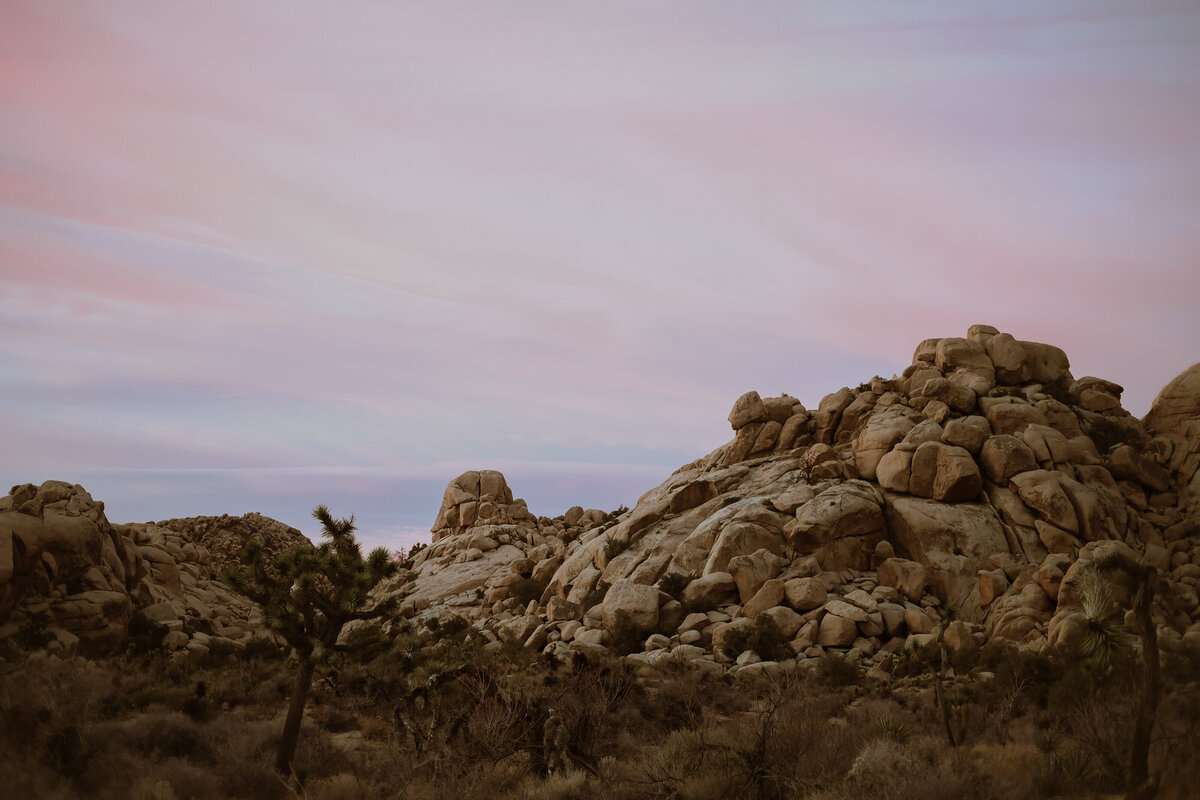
x: 308, y: 594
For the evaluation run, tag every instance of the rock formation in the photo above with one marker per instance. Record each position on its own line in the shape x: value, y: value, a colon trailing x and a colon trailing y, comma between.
x: 965, y: 488
x: 960, y: 497
x: 70, y: 581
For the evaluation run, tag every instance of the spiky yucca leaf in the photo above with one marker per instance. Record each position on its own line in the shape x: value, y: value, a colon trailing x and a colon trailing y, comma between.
x: 1106, y: 636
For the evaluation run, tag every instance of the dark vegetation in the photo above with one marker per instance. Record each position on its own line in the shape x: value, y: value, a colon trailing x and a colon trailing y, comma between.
x: 403, y: 712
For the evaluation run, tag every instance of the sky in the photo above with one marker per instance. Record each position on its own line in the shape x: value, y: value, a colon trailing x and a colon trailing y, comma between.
x: 256, y: 256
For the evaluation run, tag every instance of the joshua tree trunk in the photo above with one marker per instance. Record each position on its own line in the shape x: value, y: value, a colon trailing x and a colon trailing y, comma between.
x: 1139, y: 760
x: 291, y: 728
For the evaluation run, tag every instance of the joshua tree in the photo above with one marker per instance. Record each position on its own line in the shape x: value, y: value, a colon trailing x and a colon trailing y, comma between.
x: 1107, y: 636
x: 308, y: 594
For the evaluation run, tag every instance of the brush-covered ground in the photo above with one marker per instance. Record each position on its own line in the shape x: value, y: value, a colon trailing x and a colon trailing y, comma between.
x: 439, y: 716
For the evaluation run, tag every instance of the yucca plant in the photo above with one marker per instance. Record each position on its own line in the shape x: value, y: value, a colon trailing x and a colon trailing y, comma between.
x: 308, y: 594
x: 1107, y: 637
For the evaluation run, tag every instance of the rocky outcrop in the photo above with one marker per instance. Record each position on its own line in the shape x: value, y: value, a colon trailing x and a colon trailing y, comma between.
x: 963, y: 496
x: 967, y: 486
x: 70, y: 581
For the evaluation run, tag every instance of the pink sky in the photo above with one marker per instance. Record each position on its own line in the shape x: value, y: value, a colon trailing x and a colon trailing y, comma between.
x: 257, y: 256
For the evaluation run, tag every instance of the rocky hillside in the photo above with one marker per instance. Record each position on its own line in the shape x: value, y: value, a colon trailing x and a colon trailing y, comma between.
x: 963, y: 499
x: 71, y: 581
x: 964, y: 496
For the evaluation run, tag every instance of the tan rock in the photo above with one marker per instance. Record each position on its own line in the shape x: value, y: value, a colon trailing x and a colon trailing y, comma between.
x: 787, y: 621
x: 954, y: 395
x: 894, y: 470
x: 1004, y: 456
x: 883, y: 431
x: 840, y: 511
x: 968, y: 433
x: 1013, y: 417
x: 769, y: 595
x: 957, y: 477
x: 748, y: 408
x: 1008, y: 358
x: 710, y: 590
x: 1042, y: 491
x: 952, y: 541
x: 992, y: 584
x: 805, y: 594
x: 836, y: 631
x: 691, y: 495
x: 635, y: 603
x: 741, y: 538
x: 908, y: 577
x: 1047, y: 364
x: 560, y: 610
x: 751, y: 571
x: 846, y: 610
x: 953, y: 353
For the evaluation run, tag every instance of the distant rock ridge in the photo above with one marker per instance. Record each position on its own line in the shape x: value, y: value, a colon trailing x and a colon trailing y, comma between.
x: 72, y: 582
x: 225, y: 536
x: 963, y: 497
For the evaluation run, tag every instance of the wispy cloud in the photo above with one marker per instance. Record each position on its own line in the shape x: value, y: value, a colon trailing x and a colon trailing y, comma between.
x: 380, y: 236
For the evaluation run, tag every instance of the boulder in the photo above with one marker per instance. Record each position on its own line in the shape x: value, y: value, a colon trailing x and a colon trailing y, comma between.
x: 1004, y: 456
x: 636, y: 604
x: 836, y: 631
x: 769, y: 595
x: 944, y: 472
x: 968, y: 433
x: 952, y: 542
x: 1012, y: 416
x: 709, y: 591
x: 907, y: 577
x: 750, y: 572
x: 747, y: 409
x: 842, y: 510
x: 884, y: 429
x: 1041, y: 490
x: 805, y: 594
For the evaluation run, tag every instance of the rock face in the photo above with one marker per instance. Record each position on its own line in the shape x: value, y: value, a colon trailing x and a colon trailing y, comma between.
x: 971, y: 485
x: 971, y: 482
x: 84, y: 583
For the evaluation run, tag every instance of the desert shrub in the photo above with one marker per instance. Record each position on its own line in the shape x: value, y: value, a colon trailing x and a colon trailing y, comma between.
x: 526, y: 590
x: 614, y: 547
x: 261, y: 648
x: 673, y: 583
x: 596, y: 595
x: 834, y: 670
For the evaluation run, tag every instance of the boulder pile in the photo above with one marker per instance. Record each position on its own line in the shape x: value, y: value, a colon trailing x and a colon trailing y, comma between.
x: 71, y: 582
x: 955, y: 501
x: 961, y: 501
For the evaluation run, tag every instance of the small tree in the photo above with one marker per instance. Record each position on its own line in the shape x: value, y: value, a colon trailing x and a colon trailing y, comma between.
x: 308, y: 594
x: 1107, y: 636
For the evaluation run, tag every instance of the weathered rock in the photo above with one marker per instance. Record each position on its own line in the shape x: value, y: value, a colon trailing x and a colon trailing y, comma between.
x: 750, y: 572
x: 1004, y: 456
x: 1042, y: 491
x: 769, y: 595
x: 968, y: 433
x: 709, y: 591
x: 908, y: 577
x: 836, y: 631
x: 633, y: 604
x: 882, y: 432
x: 748, y: 408
x: 805, y: 594
x: 944, y: 472
x: 839, y: 511
x: 952, y: 542
x: 1012, y: 416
